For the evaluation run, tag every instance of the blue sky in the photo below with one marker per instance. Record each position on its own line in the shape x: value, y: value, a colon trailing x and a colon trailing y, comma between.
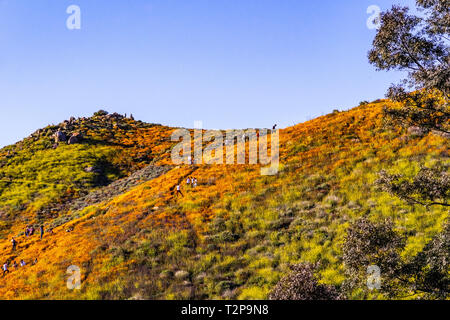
x: 228, y: 63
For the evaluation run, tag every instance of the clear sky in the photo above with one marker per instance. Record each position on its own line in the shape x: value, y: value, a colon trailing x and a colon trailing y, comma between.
x: 228, y: 63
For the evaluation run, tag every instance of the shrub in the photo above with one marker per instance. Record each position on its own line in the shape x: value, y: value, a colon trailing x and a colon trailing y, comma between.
x: 301, y: 284
x: 100, y: 113
x: 369, y: 243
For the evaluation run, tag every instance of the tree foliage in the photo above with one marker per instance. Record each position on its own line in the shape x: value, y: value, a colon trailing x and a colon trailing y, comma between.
x: 418, y: 45
x: 431, y: 186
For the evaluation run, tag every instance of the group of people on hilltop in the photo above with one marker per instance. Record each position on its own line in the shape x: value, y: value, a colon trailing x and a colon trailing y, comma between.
x: 29, y: 231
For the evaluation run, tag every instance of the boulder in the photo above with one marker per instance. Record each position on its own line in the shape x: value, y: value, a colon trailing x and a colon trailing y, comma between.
x: 75, y: 138
x: 137, y: 296
x: 181, y: 274
x: 93, y: 170
x: 229, y: 294
x: 66, y: 125
x: 200, y: 277
x: 60, y: 136
x: 166, y: 274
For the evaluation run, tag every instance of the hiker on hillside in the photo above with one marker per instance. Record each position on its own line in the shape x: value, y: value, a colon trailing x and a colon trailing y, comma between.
x: 22, y: 263
x: 194, y: 182
x: 41, y: 229
x: 15, y: 265
x: 14, y: 244
x: 29, y: 231
x: 179, y: 190
x: 188, y: 181
x: 35, y: 261
x: 5, y: 268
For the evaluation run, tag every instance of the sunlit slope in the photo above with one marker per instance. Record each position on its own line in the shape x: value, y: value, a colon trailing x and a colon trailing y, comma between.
x: 38, y: 177
x: 231, y: 237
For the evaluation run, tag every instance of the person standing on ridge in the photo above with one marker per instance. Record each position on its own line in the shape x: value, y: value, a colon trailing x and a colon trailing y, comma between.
x: 41, y: 229
x: 179, y: 190
x: 14, y: 244
x: 5, y: 268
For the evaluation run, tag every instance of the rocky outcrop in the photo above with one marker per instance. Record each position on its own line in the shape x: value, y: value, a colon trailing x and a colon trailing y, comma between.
x: 416, y: 131
x: 114, y: 116
x: 120, y: 186
x: 104, y: 194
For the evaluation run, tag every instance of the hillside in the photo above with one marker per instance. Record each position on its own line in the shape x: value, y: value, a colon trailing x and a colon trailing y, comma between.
x: 108, y: 197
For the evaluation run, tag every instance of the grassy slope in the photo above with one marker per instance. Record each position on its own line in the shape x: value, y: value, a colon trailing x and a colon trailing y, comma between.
x: 232, y: 237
